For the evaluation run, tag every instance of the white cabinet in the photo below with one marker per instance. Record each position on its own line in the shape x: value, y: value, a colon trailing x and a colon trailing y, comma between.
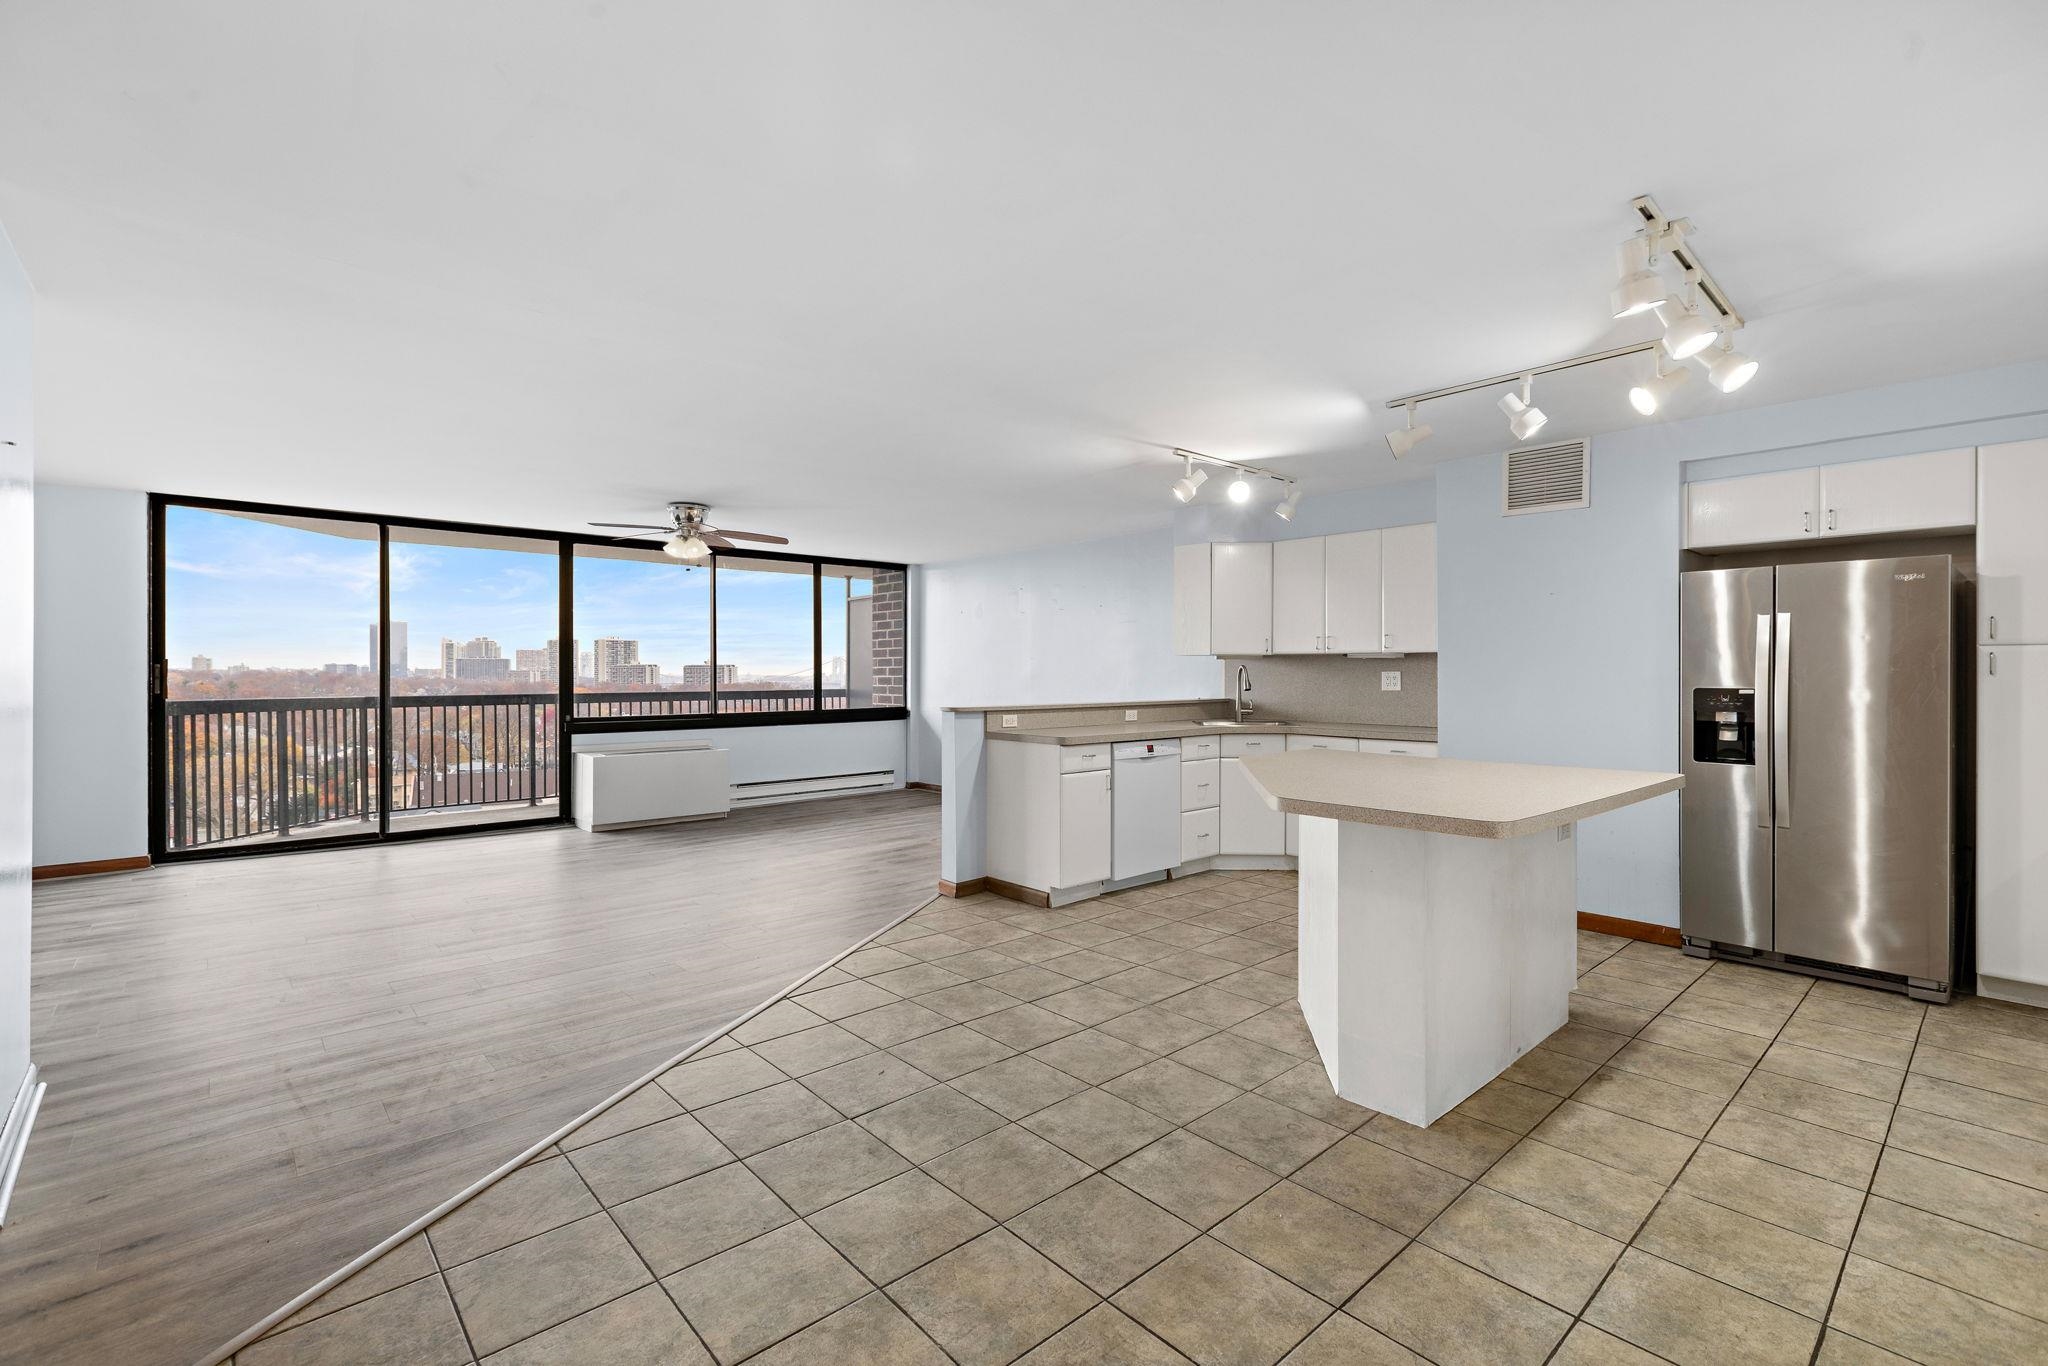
x: 1415, y: 749
x: 1249, y: 825
x: 1298, y: 596
x: 2012, y: 544
x: 1408, y: 589
x: 1931, y: 492
x: 1351, y: 592
x: 1241, y: 600
x: 1201, y: 834
x: 1756, y: 509
x: 1295, y: 742
x: 2012, y: 812
x: 1198, y: 784
x: 1084, y: 827
x: 1191, y: 594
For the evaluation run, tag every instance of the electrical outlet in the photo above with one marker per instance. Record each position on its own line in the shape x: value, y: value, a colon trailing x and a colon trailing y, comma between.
x: 1390, y: 680
x: 1009, y: 720
x: 1131, y: 714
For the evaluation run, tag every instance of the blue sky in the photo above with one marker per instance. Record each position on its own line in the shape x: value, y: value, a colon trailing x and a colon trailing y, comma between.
x: 243, y: 591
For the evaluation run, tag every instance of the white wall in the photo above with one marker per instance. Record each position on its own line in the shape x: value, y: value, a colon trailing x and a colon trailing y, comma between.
x: 1091, y: 622
x: 92, y: 653
x: 17, y: 677
x: 1559, y: 631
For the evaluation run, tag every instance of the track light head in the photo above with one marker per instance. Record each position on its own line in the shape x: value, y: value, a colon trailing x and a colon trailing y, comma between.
x: 1654, y: 392
x: 1405, y: 439
x: 1641, y: 288
x: 1189, y: 484
x: 1288, y: 506
x: 1525, y: 419
x: 1240, y: 491
x: 1686, y: 333
x: 1729, y: 369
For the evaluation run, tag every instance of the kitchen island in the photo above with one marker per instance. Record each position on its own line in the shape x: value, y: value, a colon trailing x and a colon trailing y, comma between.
x: 1438, y: 913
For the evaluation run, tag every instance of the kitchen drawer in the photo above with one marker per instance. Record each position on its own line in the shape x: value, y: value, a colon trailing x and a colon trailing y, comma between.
x: 1201, y: 834
x: 1238, y: 746
x: 1321, y: 742
x: 1418, y: 749
x: 1195, y: 747
x: 1083, y: 758
x: 1198, y: 784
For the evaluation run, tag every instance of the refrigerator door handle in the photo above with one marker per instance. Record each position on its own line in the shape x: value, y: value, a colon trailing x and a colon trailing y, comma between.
x: 1781, y: 722
x: 1760, y: 779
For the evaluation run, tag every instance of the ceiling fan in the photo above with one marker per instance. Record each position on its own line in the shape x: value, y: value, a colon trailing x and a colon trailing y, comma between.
x: 690, y: 537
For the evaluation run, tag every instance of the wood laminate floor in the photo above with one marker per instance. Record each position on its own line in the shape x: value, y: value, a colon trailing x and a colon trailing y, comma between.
x: 259, y: 1068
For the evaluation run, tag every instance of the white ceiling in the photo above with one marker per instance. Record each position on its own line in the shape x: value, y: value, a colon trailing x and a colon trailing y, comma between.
x: 925, y: 280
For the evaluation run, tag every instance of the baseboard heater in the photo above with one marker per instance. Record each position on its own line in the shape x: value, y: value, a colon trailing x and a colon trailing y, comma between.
x: 773, y: 790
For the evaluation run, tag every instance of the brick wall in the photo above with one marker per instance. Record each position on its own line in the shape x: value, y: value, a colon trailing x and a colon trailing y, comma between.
x: 891, y: 637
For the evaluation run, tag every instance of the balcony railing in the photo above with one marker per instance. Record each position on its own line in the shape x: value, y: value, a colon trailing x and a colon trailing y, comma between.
x: 268, y: 769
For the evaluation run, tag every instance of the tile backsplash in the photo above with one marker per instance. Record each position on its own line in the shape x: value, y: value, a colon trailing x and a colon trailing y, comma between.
x: 1308, y: 688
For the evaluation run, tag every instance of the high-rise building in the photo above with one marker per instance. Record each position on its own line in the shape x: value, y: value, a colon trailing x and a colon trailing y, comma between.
x: 615, y: 658
x: 483, y: 666
x: 453, y: 652
x: 635, y: 675
x: 400, y: 665
x: 586, y: 667
x: 201, y: 664
x: 534, y: 666
x: 555, y: 657
x: 697, y: 677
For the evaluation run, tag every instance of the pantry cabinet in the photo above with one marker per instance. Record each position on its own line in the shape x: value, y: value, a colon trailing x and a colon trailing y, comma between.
x: 2012, y: 544
x: 1921, y: 494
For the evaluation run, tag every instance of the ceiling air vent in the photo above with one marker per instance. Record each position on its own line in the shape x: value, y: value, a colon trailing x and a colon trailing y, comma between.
x: 1544, y: 479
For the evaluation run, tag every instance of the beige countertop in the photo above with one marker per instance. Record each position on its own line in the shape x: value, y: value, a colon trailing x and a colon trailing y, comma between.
x: 1447, y: 796
x: 1084, y: 706
x: 1168, y: 730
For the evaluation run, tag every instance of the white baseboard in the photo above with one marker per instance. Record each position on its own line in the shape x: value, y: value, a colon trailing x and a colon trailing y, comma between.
x: 21, y: 1117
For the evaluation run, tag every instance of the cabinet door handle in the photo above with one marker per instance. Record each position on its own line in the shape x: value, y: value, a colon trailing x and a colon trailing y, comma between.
x: 1806, y: 521
x: 1831, y: 519
x: 1993, y: 657
x: 1994, y: 628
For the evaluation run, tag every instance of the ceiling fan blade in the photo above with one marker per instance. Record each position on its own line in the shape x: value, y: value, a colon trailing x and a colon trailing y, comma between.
x: 634, y: 526
x: 629, y: 536
x: 716, y: 541
x: 754, y: 536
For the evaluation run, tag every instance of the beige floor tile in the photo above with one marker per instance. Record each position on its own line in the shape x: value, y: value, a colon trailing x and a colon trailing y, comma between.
x: 1172, y: 1091
x: 1839, y: 1349
x: 1987, y: 1202
x: 1985, y: 1109
x: 1984, y: 1035
x: 932, y: 947
x: 761, y: 1119
x: 1457, y: 1143
x: 1989, y: 1266
x: 1583, y: 1041
x: 1830, y: 1010
x: 1454, y: 1315
x: 893, y: 1024
x: 1096, y: 1127
x: 1605, y: 1199
x: 1612, y: 1016
x: 1195, y: 966
x: 825, y: 1167
x: 1508, y: 1105
x: 1136, y: 950
x: 1192, y: 1177
x: 918, y: 978
x: 1273, y: 1135
x: 848, y: 998
x: 1746, y: 985
x: 407, y: 1262
x: 1256, y: 984
x: 1679, y: 1067
x: 1314, y: 1242
x: 866, y: 1083
x: 1220, y: 1009
x: 1085, y: 965
x: 1586, y: 1345
x: 640, y: 1329
x: 1102, y: 1335
x: 1344, y: 1341
x: 890, y: 1230
x: 1616, y: 1141
x: 1306, y: 1088
x: 1657, y: 974
x: 1146, y: 985
x: 1092, y: 1056
x: 870, y: 962
x: 1823, y: 1105
x: 1236, y: 1060
x: 1931, y: 1323
x: 1966, y: 1145
x: 530, y: 1200
x: 1031, y: 981
x: 1772, y: 1263
x: 1680, y: 1109
x: 682, y: 1224
x: 647, y: 1159
x: 1282, y: 1028
x: 706, y: 1081
x: 1557, y: 1073
x: 1684, y: 1316
x: 978, y: 963
x: 1986, y: 1074
x: 1554, y: 1259
x: 1703, y: 1003
x: 869, y: 1332
x: 1086, y: 1004
x: 762, y: 1291
x: 414, y: 1323
x: 1797, y: 1144
x: 1386, y: 1186
x: 520, y: 1290
x: 1791, y: 1199
x: 1611, y: 986
x: 1007, y: 1172
x: 1217, y: 1305
x: 1817, y: 1065
x: 1039, y: 948
x: 1850, y: 1043
x: 1712, y: 1041
x: 1025, y: 1026
x: 991, y: 1300
x: 1016, y: 1087
x: 785, y: 1017
x: 923, y: 1125
x: 1102, y: 1233
x: 811, y: 1049
x: 648, y: 1105
x: 968, y: 1001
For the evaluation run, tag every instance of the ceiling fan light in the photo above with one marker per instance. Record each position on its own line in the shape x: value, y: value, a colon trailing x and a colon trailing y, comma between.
x: 686, y: 546
x: 1686, y: 333
x: 1730, y: 370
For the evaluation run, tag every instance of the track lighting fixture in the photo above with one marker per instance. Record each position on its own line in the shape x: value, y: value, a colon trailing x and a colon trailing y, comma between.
x: 1190, y: 483
x: 1524, y: 418
x: 1240, y: 491
x: 1403, y: 440
x: 1686, y: 333
x: 1240, y: 486
x: 1291, y: 504
x: 1727, y: 368
x: 1641, y: 288
x: 691, y: 547
x: 1647, y: 397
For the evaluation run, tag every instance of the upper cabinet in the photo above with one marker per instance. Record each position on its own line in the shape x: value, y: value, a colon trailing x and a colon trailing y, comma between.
x: 1933, y: 492
x: 1358, y: 592
x: 1241, y: 598
x: 2012, y: 544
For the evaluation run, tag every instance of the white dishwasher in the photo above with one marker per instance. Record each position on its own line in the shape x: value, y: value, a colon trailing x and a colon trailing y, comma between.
x: 1145, y: 808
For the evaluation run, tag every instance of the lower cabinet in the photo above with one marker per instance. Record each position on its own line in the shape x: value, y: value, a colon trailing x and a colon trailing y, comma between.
x: 1249, y: 825
x: 2012, y: 811
x: 1084, y: 827
x: 1201, y: 834
x: 1295, y: 742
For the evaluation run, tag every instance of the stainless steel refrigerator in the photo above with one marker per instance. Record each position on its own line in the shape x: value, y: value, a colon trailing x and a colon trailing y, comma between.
x: 1819, y: 751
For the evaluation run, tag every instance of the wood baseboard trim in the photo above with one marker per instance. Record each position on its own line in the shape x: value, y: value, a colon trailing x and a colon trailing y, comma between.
x: 971, y: 887
x: 923, y: 787
x: 1018, y: 893
x: 92, y: 868
x: 1630, y: 929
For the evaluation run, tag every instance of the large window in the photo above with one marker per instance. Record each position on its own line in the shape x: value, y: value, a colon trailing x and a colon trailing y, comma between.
x: 643, y: 634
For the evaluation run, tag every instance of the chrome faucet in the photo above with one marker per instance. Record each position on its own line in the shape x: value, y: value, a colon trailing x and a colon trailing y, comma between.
x: 1243, y: 701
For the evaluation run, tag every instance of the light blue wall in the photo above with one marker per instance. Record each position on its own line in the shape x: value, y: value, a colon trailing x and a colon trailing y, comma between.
x: 1322, y: 514
x: 1559, y: 631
